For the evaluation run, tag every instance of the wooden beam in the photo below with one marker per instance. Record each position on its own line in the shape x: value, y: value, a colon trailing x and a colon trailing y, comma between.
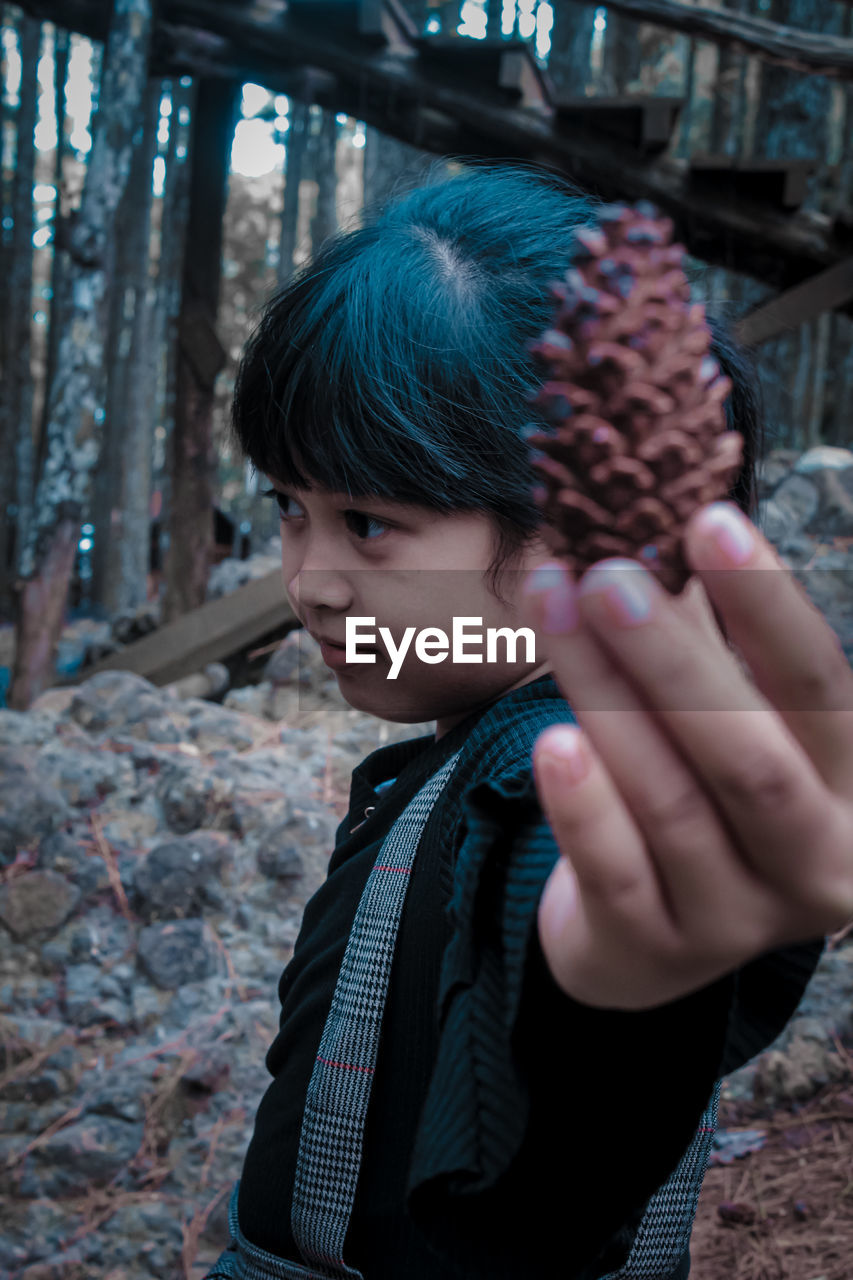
x: 646, y: 122
x: 807, y: 51
x: 210, y: 633
x: 359, y: 20
x: 828, y: 291
x: 783, y: 183
x: 506, y: 66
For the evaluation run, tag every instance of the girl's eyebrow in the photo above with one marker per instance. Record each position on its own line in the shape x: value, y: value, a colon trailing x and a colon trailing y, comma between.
x: 347, y: 500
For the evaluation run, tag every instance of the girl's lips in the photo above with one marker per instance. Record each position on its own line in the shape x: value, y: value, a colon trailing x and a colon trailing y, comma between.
x: 335, y: 655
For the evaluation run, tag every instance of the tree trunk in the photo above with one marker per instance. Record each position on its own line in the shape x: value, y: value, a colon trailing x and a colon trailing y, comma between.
x: 325, y: 221
x: 729, y: 100
x: 793, y: 109
x: 494, y: 17
x: 389, y: 165
x: 297, y: 141
x: 105, y: 480
x: 571, y: 42
x: 121, y: 517
x: 17, y: 430
x: 73, y: 418
x: 200, y: 354
x: 58, y: 292
x: 174, y: 215
x: 621, y: 65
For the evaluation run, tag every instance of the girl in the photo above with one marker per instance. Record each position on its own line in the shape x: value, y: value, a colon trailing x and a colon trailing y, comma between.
x: 501, y: 1057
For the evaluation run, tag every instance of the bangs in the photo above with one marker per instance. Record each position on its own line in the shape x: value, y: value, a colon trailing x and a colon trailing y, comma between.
x: 361, y: 380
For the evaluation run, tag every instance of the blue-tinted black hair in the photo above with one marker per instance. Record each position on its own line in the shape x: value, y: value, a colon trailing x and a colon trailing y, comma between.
x: 395, y: 363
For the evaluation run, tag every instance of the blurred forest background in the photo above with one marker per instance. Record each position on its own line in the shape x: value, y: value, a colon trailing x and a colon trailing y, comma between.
x: 145, y: 220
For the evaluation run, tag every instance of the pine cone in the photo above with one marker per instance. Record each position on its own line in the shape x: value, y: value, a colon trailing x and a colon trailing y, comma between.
x: 636, y: 434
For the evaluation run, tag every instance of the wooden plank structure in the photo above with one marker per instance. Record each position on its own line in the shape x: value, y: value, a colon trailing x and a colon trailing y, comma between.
x: 218, y: 629
x: 645, y: 122
x: 781, y: 183
x: 506, y: 111
x: 832, y: 288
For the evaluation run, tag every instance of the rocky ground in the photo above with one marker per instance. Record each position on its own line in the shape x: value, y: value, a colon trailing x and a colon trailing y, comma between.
x: 156, y: 852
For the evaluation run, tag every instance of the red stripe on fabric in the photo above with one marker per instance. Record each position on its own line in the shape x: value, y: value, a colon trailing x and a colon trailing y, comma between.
x: 404, y: 871
x: 349, y: 1066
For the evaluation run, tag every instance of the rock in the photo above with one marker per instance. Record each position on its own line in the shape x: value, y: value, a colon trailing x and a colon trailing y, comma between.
x: 797, y: 550
x: 31, y: 807
x: 178, y: 879
x: 55, y: 702
x: 791, y: 509
x: 29, y: 1231
x: 208, y: 1072
x: 115, y: 699
x: 281, y: 847
x: 84, y: 775
x: 185, y: 794
x: 834, y: 517
x: 149, y: 1239
x: 95, y: 1148
x: 71, y: 853
x: 795, y: 1075
x: 231, y: 573
x: 281, y: 862
x: 297, y: 660
x: 37, y: 902
x: 214, y: 728
x: 773, y: 469
x: 210, y: 683
x: 174, y: 954
x: 102, y: 936
x: 823, y: 458
x: 133, y: 624
x: 93, y: 997
x: 252, y: 699
x: 26, y: 728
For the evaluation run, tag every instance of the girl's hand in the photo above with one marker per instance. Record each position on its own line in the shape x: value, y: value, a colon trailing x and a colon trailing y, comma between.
x: 705, y: 809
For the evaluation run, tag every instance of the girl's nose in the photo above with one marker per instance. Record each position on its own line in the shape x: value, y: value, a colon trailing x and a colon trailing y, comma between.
x: 313, y: 588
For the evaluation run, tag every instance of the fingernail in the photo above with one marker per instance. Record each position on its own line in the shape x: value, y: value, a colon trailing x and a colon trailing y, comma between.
x: 565, y: 757
x: 627, y: 588
x: 729, y: 530
x: 559, y: 610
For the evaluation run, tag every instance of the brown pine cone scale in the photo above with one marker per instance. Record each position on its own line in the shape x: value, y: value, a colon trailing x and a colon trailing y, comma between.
x: 635, y: 435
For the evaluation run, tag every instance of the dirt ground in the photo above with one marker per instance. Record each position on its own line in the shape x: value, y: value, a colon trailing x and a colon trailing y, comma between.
x: 784, y: 1212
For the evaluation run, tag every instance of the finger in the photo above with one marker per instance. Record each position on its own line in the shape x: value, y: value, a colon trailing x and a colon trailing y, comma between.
x: 795, y: 657
x: 700, y: 871
x: 764, y: 785
x: 597, y: 836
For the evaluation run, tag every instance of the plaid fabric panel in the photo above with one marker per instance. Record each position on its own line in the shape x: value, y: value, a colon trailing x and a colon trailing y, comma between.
x: 330, y: 1143
x: 664, y: 1231
x: 245, y: 1261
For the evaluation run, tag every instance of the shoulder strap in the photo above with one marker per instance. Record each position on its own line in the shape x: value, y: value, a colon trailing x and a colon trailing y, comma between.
x: 664, y: 1231
x: 331, y: 1139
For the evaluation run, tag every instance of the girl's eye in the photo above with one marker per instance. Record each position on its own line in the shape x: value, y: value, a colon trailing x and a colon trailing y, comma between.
x: 282, y: 499
x: 365, y: 526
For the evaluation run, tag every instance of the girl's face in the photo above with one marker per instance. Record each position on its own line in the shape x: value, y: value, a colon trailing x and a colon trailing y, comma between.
x: 403, y: 566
